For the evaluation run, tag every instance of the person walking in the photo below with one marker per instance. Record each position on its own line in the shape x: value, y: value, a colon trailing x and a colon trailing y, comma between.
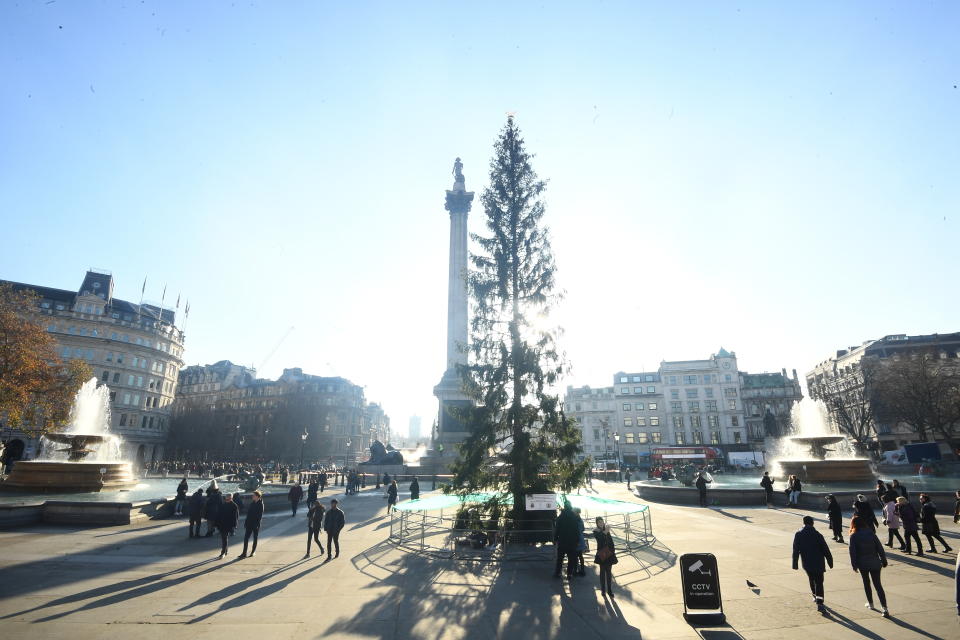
x: 892, y: 520
x: 567, y: 537
x: 314, y: 526
x: 606, y: 556
x: 881, y: 490
x: 415, y: 489
x: 581, y: 544
x: 930, y: 528
x: 181, y: 499
x: 295, y: 495
x: 195, y: 512
x: 900, y: 489
x: 701, y: 484
x: 868, y: 558
x: 908, y: 518
x: 767, y: 483
x: 251, y: 524
x: 835, y: 516
x: 628, y: 477
x: 284, y: 475
x: 794, y: 489
x: 323, y: 481
x: 863, y: 509
x: 391, y: 496
x: 227, y: 517
x: 312, y: 489
x: 810, y: 547
x: 332, y: 523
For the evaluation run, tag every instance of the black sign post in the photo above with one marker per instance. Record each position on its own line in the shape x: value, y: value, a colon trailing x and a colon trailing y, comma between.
x: 701, y: 588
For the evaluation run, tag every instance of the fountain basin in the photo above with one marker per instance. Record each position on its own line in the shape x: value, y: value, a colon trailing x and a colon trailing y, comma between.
x: 69, y: 477
x: 825, y: 471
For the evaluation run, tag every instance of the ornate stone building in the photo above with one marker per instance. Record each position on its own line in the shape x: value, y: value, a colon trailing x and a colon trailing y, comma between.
x: 134, y: 349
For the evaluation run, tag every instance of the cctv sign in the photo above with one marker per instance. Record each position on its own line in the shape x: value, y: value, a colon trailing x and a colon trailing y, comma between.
x: 701, y: 585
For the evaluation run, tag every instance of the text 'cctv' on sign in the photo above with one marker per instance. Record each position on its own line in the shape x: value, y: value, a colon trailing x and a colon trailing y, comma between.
x: 541, y: 502
x: 701, y: 585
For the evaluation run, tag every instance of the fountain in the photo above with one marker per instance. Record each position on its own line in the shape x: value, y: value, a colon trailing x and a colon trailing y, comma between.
x: 89, y: 461
x: 808, y: 455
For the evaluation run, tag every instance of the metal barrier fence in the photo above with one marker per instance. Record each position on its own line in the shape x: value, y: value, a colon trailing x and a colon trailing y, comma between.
x: 442, y: 533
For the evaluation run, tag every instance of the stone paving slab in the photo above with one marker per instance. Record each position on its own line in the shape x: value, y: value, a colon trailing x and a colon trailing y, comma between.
x: 148, y: 580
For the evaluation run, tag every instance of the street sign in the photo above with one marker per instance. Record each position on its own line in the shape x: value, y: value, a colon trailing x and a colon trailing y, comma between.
x: 701, y: 586
x: 541, y: 502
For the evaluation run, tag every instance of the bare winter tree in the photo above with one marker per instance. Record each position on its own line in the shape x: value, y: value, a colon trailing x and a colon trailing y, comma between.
x: 922, y: 391
x: 848, y: 400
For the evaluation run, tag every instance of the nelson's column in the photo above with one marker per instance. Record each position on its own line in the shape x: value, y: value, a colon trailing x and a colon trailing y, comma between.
x: 450, y: 431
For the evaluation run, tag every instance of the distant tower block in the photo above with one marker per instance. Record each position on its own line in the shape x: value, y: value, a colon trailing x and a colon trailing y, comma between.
x: 450, y: 431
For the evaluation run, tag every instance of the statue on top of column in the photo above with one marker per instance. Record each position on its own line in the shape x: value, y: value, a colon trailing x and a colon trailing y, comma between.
x: 458, y: 181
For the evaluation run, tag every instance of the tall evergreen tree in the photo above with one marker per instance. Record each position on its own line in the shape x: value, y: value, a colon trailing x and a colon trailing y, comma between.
x: 520, y: 440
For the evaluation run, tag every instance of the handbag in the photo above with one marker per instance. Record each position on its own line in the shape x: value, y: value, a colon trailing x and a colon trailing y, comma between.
x: 604, y: 554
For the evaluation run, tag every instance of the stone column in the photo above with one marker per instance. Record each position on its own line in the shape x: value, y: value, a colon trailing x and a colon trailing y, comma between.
x: 448, y: 391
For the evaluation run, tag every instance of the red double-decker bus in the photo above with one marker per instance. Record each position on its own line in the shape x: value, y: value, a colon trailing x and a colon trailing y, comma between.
x: 676, y: 455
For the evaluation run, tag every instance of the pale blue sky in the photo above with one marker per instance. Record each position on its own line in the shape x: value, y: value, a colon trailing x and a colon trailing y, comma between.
x: 781, y: 181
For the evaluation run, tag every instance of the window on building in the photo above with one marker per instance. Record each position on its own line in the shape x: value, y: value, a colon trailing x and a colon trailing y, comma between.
x: 596, y: 434
x: 624, y: 379
x: 651, y: 389
x: 711, y: 405
x: 638, y: 389
x: 119, y: 358
x: 676, y: 406
x: 730, y: 392
x: 674, y: 393
x: 643, y: 438
x: 732, y: 405
x: 105, y: 377
x: 654, y: 421
x: 629, y: 437
x: 693, y: 393
x: 736, y: 437
x: 123, y: 419
x: 626, y: 406
x: 735, y: 421
x: 113, y: 396
x: 678, y: 422
x: 695, y: 421
x: 625, y: 390
x: 652, y: 406
x: 648, y: 378
x: 727, y: 378
x: 143, y: 363
x: 143, y: 422
x: 714, y: 437
x: 126, y: 398
x: 709, y: 392
x: 689, y: 379
x: 698, y: 437
x: 754, y: 410
x: 116, y: 377
x: 656, y: 437
x: 641, y: 421
x: 637, y: 379
x: 136, y: 399
x: 639, y: 406
x: 693, y: 406
x: 680, y: 437
x: 673, y: 379
x: 628, y: 422
x: 713, y: 421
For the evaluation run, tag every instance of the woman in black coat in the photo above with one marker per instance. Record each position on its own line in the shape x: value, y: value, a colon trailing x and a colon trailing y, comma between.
x: 908, y: 517
x: 929, y: 525
x: 391, y: 495
x: 835, y: 515
x: 415, y: 489
x: 252, y: 524
x: 863, y: 509
x: 868, y: 558
x: 606, y: 556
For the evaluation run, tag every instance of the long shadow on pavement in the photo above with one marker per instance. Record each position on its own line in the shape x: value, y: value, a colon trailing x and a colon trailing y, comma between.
x: 872, y: 635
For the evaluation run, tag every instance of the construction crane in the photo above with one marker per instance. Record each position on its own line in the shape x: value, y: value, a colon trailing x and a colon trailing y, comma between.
x: 285, y: 335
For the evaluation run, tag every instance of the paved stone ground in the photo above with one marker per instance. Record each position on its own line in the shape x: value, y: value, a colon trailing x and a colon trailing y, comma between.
x: 149, y: 581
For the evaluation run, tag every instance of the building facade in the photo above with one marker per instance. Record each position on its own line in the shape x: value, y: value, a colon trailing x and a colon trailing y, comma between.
x: 768, y: 399
x: 594, y: 411
x: 134, y: 349
x: 224, y: 412
x: 842, y: 374
x: 377, y: 424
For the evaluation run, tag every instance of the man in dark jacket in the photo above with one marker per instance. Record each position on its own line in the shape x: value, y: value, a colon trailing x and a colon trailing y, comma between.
x: 195, y: 511
x: 252, y: 524
x: 295, y: 496
x: 333, y: 522
x: 323, y: 481
x: 702, y: 488
x: 863, y: 509
x: 415, y: 489
x: 810, y: 547
x: 227, y: 517
x: 314, y: 524
x: 312, y: 489
x: 567, y: 538
x: 214, y: 500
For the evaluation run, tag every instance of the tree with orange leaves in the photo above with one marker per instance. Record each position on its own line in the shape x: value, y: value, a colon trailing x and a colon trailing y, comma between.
x: 36, y: 386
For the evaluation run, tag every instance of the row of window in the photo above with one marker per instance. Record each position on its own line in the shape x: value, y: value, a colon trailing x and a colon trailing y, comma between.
x: 707, y: 378
x: 626, y: 390
x: 642, y: 421
x: 137, y: 381
x: 679, y: 438
x: 644, y: 378
x: 156, y: 423
x: 651, y: 406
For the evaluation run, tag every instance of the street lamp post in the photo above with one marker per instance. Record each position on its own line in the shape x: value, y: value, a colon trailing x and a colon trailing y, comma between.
x: 616, y: 440
x: 303, y: 442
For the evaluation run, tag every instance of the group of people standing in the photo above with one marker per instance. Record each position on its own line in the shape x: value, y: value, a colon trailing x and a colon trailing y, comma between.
x: 571, y: 544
